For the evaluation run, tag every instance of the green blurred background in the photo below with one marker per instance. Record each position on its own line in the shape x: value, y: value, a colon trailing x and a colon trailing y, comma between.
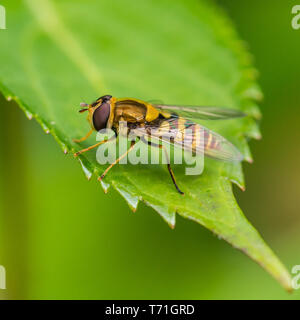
x: 62, y: 238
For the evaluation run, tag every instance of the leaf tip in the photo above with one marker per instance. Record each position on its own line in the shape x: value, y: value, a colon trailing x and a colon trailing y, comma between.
x: 249, y: 160
x: 105, y: 186
x: 29, y: 115
x: 286, y: 281
x: 172, y: 225
x: 257, y: 136
x: 44, y: 127
x: 241, y: 186
x: 132, y: 200
x: 86, y: 171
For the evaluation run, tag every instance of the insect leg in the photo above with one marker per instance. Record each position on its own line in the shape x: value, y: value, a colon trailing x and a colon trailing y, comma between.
x: 83, y: 138
x: 116, y: 161
x: 170, y: 170
x: 168, y: 162
x: 92, y: 147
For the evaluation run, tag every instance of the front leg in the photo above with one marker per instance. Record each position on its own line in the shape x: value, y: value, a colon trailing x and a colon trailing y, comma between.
x: 83, y: 138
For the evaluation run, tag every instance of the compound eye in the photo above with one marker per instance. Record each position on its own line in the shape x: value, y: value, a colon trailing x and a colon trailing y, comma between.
x: 100, y: 116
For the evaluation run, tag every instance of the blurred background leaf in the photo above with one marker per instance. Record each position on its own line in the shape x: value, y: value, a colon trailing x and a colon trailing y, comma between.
x: 46, y: 257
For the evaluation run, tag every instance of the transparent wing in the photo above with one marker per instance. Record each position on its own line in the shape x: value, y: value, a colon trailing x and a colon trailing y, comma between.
x: 201, y: 112
x: 217, y: 147
x: 190, y: 136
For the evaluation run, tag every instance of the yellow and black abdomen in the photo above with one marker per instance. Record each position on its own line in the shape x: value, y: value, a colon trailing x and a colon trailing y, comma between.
x: 186, y: 133
x: 193, y: 134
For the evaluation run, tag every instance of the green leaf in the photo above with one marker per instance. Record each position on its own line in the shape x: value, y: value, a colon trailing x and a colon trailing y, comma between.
x: 54, y: 54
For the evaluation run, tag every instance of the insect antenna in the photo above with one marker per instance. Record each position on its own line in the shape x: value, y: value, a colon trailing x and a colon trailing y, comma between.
x: 85, y: 107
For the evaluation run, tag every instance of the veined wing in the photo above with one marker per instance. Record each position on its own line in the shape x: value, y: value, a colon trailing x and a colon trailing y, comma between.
x: 190, y: 136
x: 200, y: 112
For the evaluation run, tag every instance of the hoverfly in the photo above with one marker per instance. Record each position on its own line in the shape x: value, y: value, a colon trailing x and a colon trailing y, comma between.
x: 141, y: 117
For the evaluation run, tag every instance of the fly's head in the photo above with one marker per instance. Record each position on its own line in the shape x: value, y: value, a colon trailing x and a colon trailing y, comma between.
x: 99, y: 112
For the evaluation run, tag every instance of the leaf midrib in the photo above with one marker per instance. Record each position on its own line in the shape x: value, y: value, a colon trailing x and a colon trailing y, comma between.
x: 46, y: 16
